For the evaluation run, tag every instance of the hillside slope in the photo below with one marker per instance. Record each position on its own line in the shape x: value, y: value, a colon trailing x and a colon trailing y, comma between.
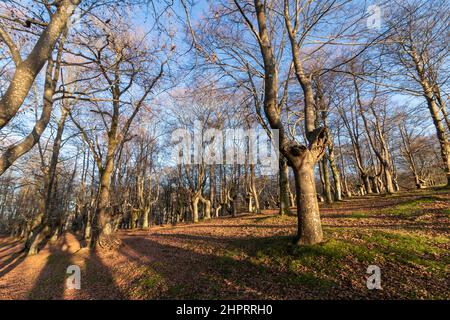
x: 251, y: 257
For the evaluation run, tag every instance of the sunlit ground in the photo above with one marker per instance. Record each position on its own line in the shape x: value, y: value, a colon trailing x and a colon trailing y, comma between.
x: 251, y: 257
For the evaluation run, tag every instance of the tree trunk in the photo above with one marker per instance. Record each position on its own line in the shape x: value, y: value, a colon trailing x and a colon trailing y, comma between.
x: 309, y: 226
x: 41, y: 231
x: 133, y: 218
x: 335, y: 173
x: 207, y: 206
x: 374, y: 184
x: 253, y: 190
x: 367, y: 186
x: 212, y: 185
x: 102, y: 227
x: 87, y: 231
x: 284, y: 186
x: 326, y: 177
x: 442, y: 136
x: 194, y: 204
x: 145, y: 215
x: 434, y: 111
x: 291, y: 198
x: 389, y: 184
x: 41, y: 234
x: 27, y: 70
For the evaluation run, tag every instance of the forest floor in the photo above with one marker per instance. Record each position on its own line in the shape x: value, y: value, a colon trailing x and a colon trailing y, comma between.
x: 252, y: 257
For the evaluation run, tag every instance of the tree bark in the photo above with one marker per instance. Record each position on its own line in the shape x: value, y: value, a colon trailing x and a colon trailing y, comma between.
x: 28, y: 69
x: 309, y: 227
x: 194, y: 204
x: 207, y: 207
x: 334, y: 172
x: 15, y: 151
x: 326, y: 178
x: 284, y: 187
x: 434, y: 111
x: 367, y: 185
x: 253, y: 189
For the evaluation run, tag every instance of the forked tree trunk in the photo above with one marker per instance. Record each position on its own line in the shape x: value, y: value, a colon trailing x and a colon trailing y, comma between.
x: 367, y: 185
x: 301, y: 158
x: 207, y: 207
x: 374, y: 184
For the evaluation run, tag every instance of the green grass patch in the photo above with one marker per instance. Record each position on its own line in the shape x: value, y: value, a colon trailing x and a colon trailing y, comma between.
x: 326, y: 257
x: 346, y: 250
x: 150, y: 280
x: 345, y: 246
x: 176, y: 290
x: 309, y: 280
x: 412, y: 249
x: 411, y: 206
x: 333, y: 250
x: 226, y: 264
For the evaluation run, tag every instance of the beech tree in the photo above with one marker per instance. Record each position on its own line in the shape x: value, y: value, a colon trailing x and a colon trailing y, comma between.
x: 27, y: 69
x: 88, y: 113
x: 112, y: 57
x: 417, y: 52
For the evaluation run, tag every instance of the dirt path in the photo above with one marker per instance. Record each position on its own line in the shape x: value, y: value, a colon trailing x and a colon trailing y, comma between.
x: 251, y: 257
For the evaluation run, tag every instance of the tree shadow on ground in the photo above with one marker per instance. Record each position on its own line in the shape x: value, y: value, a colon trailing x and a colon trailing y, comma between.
x: 194, y: 275
x: 97, y: 281
x: 268, y: 269
x: 4, y: 245
x: 11, y: 262
x: 51, y: 282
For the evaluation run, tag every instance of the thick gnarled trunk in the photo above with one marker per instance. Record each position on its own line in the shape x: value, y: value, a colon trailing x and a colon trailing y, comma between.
x: 309, y: 226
